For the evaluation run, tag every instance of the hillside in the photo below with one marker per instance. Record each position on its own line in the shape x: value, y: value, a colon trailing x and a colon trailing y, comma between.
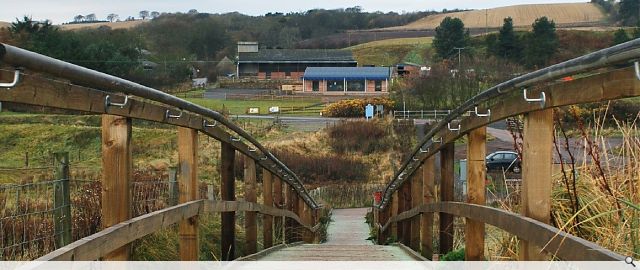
x: 113, y: 25
x: 567, y: 14
x: 391, y: 51
x: 4, y: 24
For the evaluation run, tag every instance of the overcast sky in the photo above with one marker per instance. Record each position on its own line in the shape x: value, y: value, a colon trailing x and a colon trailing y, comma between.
x: 60, y: 11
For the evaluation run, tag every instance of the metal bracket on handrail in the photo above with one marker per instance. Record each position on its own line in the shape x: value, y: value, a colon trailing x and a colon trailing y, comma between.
x: 488, y: 114
x: 636, y: 66
x: 265, y: 158
x: 415, y: 159
x: 16, y: 80
x: 453, y: 129
x: 436, y: 141
x: 234, y: 139
x: 205, y: 125
x: 168, y: 115
x: 107, y: 102
x: 252, y: 149
x: 424, y: 151
x: 542, y: 99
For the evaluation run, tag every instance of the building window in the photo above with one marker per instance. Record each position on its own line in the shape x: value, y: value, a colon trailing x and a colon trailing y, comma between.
x: 315, y: 86
x: 335, y: 86
x: 355, y: 86
x: 378, y: 86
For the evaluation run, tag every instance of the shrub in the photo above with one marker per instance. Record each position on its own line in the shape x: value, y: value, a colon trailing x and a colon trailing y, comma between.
x: 324, y: 167
x: 456, y: 255
x: 358, y: 136
x: 355, y: 107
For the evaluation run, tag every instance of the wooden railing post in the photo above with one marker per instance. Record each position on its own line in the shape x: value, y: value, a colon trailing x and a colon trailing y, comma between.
x: 250, y: 226
x: 116, y: 176
x: 416, y: 200
x: 536, y: 175
x: 289, y: 201
x: 228, y: 193
x: 406, y: 224
x: 62, y: 201
x: 188, y: 191
x: 396, y: 229
x: 476, y: 177
x: 428, y: 196
x: 446, y: 194
x: 305, y: 216
x: 267, y: 196
x: 278, y: 201
x: 296, y: 229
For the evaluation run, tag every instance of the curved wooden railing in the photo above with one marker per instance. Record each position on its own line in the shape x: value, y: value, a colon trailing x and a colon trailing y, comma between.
x: 599, y: 76
x: 79, y: 89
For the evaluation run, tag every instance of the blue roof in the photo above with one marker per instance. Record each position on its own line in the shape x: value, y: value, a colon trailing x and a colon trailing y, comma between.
x: 348, y: 73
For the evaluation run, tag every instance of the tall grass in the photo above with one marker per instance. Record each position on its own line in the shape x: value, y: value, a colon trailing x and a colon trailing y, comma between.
x: 595, y: 191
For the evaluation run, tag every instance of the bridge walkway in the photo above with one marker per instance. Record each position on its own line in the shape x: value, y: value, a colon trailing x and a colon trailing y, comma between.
x: 347, y: 240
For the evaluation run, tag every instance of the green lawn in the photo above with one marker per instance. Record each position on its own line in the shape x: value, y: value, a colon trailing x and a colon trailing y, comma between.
x: 242, y: 106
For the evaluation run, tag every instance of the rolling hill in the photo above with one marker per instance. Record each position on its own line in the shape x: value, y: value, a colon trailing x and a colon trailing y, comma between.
x: 566, y: 14
x: 4, y: 24
x: 113, y: 25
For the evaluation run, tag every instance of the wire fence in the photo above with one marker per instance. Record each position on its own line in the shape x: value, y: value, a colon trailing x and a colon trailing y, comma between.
x: 41, y: 213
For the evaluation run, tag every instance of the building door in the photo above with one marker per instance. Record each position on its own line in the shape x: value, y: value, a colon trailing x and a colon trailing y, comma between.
x: 315, y: 86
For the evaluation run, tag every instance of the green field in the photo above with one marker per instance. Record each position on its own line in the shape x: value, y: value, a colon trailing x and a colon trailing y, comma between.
x: 392, y: 51
x: 305, y: 107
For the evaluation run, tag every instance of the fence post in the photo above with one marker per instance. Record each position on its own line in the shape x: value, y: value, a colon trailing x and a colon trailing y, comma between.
x: 173, y: 185
x: 535, y: 198
x: 116, y: 176
x: 416, y: 200
x: 250, y: 227
x: 446, y: 194
x: 428, y: 196
x: 267, y: 196
x: 62, y: 201
x: 228, y: 193
x: 476, y: 177
x: 188, y: 191
x: 279, y: 203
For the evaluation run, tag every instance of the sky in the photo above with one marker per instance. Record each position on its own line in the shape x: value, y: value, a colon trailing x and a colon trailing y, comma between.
x: 61, y: 11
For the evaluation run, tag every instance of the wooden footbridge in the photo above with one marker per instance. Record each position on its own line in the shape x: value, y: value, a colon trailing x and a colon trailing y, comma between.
x: 410, y: 201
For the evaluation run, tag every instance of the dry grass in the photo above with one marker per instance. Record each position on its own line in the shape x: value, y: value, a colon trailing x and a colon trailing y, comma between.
x: 113, y: 25
x: 4, y: 24
x: 393, y: 42
x: 523, y: 15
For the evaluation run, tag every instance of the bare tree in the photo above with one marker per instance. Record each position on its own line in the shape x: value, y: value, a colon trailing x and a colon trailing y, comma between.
x: 144, y: 14
x: 90, y: 17
x: 78, y: 18
x: 155, y: 14
x: 112, y: 17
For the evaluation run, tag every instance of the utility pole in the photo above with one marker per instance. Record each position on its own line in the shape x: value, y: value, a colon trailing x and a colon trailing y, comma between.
x: 459, y: 56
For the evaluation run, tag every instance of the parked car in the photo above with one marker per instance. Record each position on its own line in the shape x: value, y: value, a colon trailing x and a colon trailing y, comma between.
x: 504, y: 160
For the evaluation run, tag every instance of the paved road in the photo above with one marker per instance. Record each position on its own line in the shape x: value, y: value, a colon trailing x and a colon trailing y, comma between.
x: 303, y: 123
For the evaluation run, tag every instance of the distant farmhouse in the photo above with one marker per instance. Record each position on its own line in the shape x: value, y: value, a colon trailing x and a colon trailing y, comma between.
x: 346, y: 80
x: 286, y: 64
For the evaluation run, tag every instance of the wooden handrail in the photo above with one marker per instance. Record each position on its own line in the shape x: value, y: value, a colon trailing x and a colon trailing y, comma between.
x: 554, y: 241
x: 38, y: 91
x: 616, y: 84
x: 97, y: 245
